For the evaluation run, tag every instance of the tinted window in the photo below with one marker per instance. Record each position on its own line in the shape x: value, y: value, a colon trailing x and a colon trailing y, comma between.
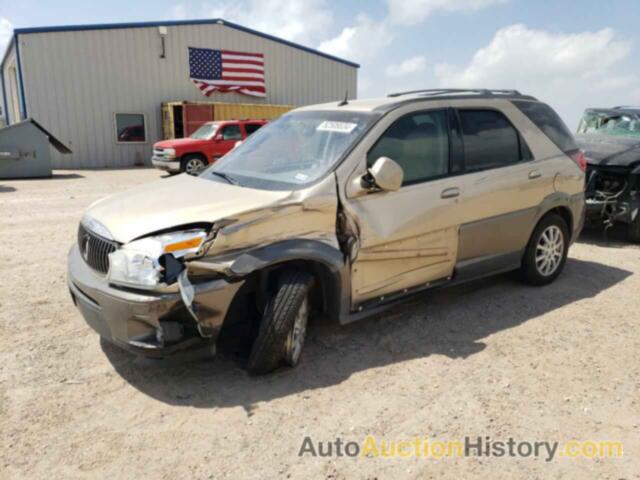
x: 419, y: 143
x: 231, y: 132
x: 549, y: 122
x: 252, y: 127
x: 130, y: 127
x: 490, y: 141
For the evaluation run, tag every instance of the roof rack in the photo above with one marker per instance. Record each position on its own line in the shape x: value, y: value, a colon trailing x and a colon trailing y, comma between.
x: 434, y: 92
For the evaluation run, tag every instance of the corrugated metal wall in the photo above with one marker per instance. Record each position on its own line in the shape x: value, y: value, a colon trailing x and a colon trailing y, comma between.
x: 76, y: 80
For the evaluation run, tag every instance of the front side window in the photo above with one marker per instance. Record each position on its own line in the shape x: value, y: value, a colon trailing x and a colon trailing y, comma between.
x: 205, y: 132
x: 490, y: 141
x: 293, y: 151
x: 130, y: 128
x: 231, y: 132
x: 419, y: 143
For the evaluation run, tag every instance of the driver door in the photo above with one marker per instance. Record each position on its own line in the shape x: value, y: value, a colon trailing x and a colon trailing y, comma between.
x: 409, y: 237
x: 225, y: 140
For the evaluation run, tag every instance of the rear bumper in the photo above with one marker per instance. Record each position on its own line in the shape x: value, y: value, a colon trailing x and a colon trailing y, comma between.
x: 149, y: 323
x: 164, y: 164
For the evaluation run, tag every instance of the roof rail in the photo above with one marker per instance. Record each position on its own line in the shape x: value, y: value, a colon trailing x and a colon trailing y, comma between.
x: 621, y: 107
x: 434, y: 92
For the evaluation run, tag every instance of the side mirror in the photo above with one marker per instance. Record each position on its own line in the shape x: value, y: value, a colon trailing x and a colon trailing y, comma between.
x: 386, y: 174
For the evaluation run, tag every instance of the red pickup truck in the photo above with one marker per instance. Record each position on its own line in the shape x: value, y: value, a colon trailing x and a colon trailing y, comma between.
x: 207, y: 144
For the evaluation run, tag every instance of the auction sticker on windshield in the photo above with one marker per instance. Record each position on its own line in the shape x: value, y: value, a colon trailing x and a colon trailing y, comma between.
x: 339, y: 127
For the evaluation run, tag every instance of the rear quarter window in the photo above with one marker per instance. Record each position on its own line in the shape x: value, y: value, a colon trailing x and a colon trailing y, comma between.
x: 547, y: 120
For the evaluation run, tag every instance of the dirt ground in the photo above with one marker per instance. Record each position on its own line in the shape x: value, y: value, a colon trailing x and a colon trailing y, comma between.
x: 494, y: 358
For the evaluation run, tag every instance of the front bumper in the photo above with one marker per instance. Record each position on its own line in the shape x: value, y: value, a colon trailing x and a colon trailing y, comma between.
x: 164, y: 164
x: 149, y: 323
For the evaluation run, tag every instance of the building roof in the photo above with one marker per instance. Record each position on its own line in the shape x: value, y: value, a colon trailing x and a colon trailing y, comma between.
x: 171, y: 23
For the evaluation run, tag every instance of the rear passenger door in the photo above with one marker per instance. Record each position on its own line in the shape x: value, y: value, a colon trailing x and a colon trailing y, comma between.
x: 503, y: 187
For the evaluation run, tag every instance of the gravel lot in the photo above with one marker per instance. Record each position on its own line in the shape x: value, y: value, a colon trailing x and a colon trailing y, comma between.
x: 493, y: 358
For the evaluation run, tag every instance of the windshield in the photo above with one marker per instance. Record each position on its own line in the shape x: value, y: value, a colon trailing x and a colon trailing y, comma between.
x: 296, y: 150
x: 610, y: 124
x: 205, y: 132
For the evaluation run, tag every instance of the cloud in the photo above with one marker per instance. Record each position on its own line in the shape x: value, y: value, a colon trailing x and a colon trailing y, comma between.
x: 361, y: 41
x: 303, y: 21
x: 407, y: 67
x: 6, y: 31
x: 414, y: 12
x: 569, y: 70
x: 178, y: 12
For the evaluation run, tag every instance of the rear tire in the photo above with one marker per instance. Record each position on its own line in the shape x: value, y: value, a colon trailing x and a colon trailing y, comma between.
x: 277, y: 341
x: 546, y: 251
x: 192, y: 164
x: 633, y: 230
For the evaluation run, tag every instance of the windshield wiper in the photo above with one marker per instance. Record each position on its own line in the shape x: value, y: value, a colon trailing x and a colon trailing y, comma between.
x: 223, y: 175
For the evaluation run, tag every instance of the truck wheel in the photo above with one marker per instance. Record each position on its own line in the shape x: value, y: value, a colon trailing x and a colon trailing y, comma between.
x: 193, y: 164
x: 633, y: 230
x: 283, y: 325
x: 546, y: 251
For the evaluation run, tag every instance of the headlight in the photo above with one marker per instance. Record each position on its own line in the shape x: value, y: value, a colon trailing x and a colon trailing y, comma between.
x: 139, y: 263
x: 169, y: 153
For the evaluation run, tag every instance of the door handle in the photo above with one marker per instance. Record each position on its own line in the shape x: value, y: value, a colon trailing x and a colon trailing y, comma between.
x: 450, y: 192
x: 533, y: 174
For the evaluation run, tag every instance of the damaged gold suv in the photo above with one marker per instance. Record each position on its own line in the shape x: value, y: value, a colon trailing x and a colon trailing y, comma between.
x: 338, y: 209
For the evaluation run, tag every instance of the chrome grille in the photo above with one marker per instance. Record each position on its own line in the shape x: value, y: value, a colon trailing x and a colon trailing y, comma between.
x: 95, y: 250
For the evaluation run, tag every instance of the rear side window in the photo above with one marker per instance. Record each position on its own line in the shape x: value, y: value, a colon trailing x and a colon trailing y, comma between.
x: 251, y: 127
x: 490, y: 141
x: 549, y: 122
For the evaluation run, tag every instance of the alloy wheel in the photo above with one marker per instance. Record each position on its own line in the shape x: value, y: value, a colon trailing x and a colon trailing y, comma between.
x: 549, y: 250
x: 194, y: 166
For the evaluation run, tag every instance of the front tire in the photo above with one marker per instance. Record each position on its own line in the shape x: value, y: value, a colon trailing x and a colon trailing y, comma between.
x: 283, y: 325
x: 546, y: 252
x: 192, y: 164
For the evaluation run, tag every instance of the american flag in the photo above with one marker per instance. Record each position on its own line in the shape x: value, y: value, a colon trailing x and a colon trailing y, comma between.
x: 226, y: 71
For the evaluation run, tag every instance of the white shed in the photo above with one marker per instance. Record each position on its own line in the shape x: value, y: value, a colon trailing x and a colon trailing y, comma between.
x: 88, y: 82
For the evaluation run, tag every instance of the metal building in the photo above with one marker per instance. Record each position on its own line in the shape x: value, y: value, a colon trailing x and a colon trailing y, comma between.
x: 86, y: 83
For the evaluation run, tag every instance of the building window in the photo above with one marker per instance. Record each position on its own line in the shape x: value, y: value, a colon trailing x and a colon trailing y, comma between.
x: 130, y: 128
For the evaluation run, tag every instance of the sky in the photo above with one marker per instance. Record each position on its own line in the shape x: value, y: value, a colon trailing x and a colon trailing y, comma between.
x: 570, y: 54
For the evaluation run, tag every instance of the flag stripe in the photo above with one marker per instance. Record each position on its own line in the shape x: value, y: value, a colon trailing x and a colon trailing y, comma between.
x: 244, y: 54
x: 240, y: 58
x: 244, y: 70
x: 232, y: 82
x: 231, y: 62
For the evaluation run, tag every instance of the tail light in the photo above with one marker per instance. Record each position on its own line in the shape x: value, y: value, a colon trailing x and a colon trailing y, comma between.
x: 578, y: 157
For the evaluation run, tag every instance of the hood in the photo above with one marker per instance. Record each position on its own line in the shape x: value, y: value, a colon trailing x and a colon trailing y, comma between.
x: 176, y: 201
x: 609, y: 150
x: 179, y: 142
